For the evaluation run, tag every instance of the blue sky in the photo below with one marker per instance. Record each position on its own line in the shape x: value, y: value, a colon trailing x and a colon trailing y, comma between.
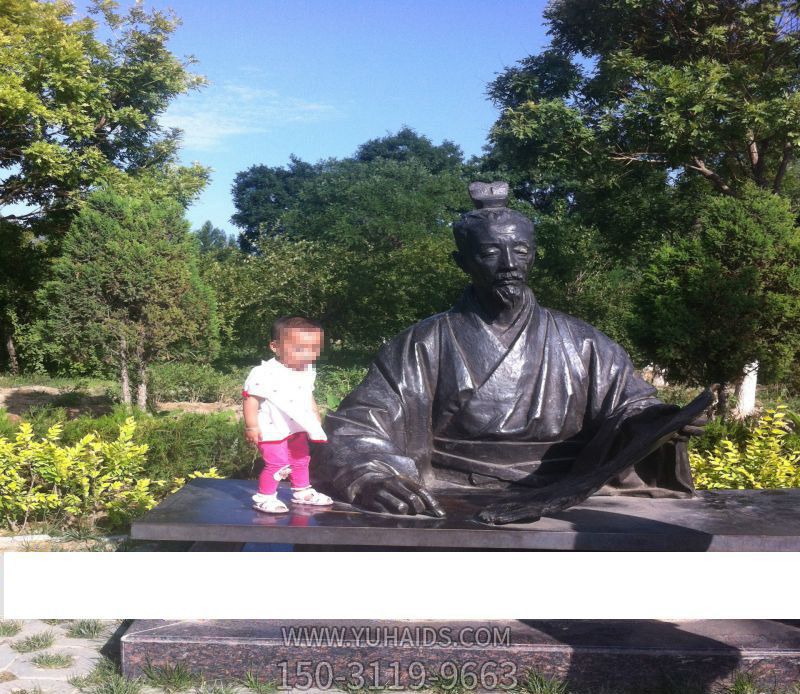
x: 317, y: 78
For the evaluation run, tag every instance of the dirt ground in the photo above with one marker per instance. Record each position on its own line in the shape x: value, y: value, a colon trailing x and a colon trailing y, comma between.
x: 18, y: 400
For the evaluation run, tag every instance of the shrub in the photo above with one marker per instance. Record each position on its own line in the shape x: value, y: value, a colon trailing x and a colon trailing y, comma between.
x: 764, y: 460
x: 177, y: 443
x: 333, y: 383
x: 181, y: 443
x: 75, y: 484
x: 193, y: 383
x: 7, y: 427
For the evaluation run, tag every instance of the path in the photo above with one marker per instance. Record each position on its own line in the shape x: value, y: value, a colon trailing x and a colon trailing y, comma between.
x: 18, y: 671
x: 20, y: 675
x: 19, y: 399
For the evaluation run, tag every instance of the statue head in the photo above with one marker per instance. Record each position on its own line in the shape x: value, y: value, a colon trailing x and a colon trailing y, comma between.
x: 495, y: 245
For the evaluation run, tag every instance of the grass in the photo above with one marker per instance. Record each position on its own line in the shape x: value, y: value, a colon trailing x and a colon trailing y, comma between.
x: 745, y: 683
x: 52, y: 661
x: 54, y: 622
x: 36, y: 642
x: 35, y: 690
x: 533, y: 682
x: 216, y: 687
x: 6, y: 676
x: 68, y: 383
x: 85, y: 629
x: 251, y: 682
x: 171, y: 678
x: 103, y: 670
x: 10, y: 627
x: 445, y: 685
x: 105, y: 679
x: 118, y: 684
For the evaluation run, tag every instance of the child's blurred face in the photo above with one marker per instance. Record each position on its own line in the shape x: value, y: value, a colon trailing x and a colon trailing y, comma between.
x: 297, y: 347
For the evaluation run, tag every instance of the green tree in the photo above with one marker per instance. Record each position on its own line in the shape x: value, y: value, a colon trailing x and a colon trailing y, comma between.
x: 388, y: 224
x: 127, y: 287
x: 364, y: 245
x: 407, y: 144
x: 263, y: 194
x: 22, y: 262
x: 212, y: 240
x: 678, y: 101
x: 77, y: 111
x: 708, y: 89
x: 726, y: 294
x: 74, y: 106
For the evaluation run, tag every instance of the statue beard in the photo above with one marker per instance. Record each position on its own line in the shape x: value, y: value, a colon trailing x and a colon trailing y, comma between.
x: 508, y: 296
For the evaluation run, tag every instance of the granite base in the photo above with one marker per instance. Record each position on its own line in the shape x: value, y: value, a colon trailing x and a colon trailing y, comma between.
x: 621, y: 656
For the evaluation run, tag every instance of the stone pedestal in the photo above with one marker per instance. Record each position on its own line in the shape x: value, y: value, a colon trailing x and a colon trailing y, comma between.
x: 621, y: 656
x: 209, y: 510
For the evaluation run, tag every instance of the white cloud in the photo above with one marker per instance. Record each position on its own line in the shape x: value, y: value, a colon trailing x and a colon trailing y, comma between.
x: 226, y: 110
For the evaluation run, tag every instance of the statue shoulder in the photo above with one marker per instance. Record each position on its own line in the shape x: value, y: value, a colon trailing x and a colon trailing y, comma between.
x: 424, y: 331
x: 580, y: 331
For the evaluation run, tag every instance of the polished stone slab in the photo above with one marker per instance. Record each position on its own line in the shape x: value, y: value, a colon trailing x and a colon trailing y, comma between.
x: 620, y: 655
x: 210, y: 510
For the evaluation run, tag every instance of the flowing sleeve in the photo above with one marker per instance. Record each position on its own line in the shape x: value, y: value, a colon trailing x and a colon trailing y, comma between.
x: 623, y: 407
x: 384, y: 426
x: 616, y: 388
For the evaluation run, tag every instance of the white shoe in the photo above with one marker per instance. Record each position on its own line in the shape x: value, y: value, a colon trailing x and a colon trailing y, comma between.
x: 269, y: 503
x: 311, y: 497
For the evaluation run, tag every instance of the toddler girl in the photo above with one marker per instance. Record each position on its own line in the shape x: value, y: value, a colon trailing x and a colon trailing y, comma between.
x: 281, y: 416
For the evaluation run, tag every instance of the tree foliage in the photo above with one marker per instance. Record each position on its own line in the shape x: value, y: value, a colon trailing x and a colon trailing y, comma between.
x: 212, y: 240
x: 406, y: 144
x: 376, y: 205
x: 630, y: 126
x: 726, y: 292
x: 263, y: 194
x: 77, y: 111
x: 362, y: 243
x: 702, y: 88
x: 126, y: 287
x: 73, y: 107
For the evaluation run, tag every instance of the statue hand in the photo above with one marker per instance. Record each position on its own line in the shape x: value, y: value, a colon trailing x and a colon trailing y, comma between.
x: 397, y: 494
x: 696, y: 428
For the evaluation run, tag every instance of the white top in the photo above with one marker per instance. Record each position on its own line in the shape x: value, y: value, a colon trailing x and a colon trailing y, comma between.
x: 286, y: 407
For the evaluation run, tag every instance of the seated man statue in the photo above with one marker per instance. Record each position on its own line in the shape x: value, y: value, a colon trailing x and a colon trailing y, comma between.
x: 502, y: 393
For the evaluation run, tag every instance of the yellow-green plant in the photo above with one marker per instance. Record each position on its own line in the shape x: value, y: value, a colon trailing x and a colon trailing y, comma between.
x: 79, y: 483
x: 763, y: 461
x: 211, y: 473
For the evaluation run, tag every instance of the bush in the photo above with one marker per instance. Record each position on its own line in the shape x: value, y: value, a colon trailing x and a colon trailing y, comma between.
x: 180, y: 382
x: 333, y: 383
x: 765, y: 459
x: 177, y: 443
x: 75, y: 484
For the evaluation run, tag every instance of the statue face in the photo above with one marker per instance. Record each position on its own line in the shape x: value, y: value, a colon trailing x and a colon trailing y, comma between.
x: 498, y: 258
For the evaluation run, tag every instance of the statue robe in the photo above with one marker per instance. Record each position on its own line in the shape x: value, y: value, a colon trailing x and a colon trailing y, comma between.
x: 450, y: 402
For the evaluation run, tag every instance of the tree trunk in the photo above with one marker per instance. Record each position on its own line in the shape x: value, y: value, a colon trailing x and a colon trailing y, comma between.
x: 141, y: 374
x: 141, y: 386
x: 723, y: 396
x: 746, y: 391
x: 125, y: 381
x: 13, y: 363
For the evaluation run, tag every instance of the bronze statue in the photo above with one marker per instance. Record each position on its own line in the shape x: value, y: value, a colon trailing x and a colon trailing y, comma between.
x: 501, y: 393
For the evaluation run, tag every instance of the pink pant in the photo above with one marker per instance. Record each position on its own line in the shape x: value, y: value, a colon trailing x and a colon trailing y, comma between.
x: 292, y: 451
